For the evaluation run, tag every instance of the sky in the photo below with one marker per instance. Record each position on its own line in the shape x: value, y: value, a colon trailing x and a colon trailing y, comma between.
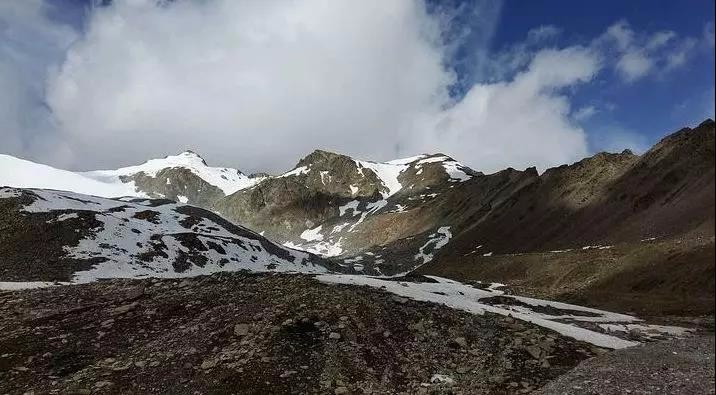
x: 87, y: 84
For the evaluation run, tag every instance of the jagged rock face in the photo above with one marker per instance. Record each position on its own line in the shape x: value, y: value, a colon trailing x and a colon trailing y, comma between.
x: 335, y: 205
x: 605, y: 199
x: 178, y: 184
x: 64, y: 236
x: 338, y: 175
x: 385, y: 218
x: 281, y: 207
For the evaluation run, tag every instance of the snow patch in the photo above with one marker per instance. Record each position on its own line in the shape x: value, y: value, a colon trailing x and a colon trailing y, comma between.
x: 20, y: 285
x: 312, y: 234
x: 437, y: 241
x: 467, y: 298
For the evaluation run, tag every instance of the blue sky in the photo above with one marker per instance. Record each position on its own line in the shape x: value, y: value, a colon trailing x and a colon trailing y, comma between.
x: 648, y: 108
x: 374, y: 80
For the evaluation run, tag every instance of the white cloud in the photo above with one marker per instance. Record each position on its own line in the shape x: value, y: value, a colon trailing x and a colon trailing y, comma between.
x: 622, y: 34
x: 523, y: 122
x: 29, y: 44
x: 678, y: 56
x: 542, y: 33
x: 639, y: 54
x: 258, y: 84
x: 634, y: 65
x: 584, y: 113
x: 659, y: 39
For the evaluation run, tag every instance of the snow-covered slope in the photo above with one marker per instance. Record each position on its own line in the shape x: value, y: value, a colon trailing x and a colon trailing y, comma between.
x: 227, y: 179
x: 130, y: 238
x: 123, y: 182
x: 25, y: 174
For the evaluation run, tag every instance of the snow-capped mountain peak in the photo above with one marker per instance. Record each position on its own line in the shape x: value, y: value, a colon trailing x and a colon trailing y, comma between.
x: 227, y: 179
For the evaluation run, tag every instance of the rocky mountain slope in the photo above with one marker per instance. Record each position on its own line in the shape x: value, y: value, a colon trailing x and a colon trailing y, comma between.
x: 63, y: 236
x: 404, y: 211
x: 646, y: 223
x: 391, y: 218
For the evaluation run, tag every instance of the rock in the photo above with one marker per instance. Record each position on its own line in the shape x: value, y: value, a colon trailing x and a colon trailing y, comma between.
x: 208, y: 365
x: 534, y: 351
x: 334, y: 336
x: 442, y: 379
x: 135, y: 293
x: 635, y: 332
x: 124, y: 309
x: 107, y: 323
x: 140, y: 364
x: 460, y: 342
x: 287, y: 373
x: 340, y: 391
x: 498, y: 379
x: 399, y: 299
x: 241, y: 329
x: 386, y: 334
x: 103, y: 384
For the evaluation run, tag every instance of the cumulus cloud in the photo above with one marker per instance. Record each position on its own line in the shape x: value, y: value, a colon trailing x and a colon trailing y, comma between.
x: 29, y: 44
x: 257, y: 85
x: 634, y: 65
x: 505, y: 124
x: 639, y: 54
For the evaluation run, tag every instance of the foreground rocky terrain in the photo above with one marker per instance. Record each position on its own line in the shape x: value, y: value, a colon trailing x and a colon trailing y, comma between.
x: 253, y: 333
x: 682, y: 366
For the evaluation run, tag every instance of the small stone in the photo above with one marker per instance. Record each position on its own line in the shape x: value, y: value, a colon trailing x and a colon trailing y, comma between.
x: 287, y: 373
x: 208, y: 365
x: 334, y: 336
x: 288, y: 322
x: 497, y: 379
x: 460, y: 342
x: 154, y: 364
x: 534, y: 351
x: 241, y: 329
x: 124, y: 308
x: 140, y: 364
x: 386, y: 333
x: 340, y: 391
x: 102, y: 384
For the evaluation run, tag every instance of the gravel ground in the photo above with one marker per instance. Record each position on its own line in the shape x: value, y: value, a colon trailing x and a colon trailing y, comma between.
x: 680, y: 366
x: 264, y: 334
